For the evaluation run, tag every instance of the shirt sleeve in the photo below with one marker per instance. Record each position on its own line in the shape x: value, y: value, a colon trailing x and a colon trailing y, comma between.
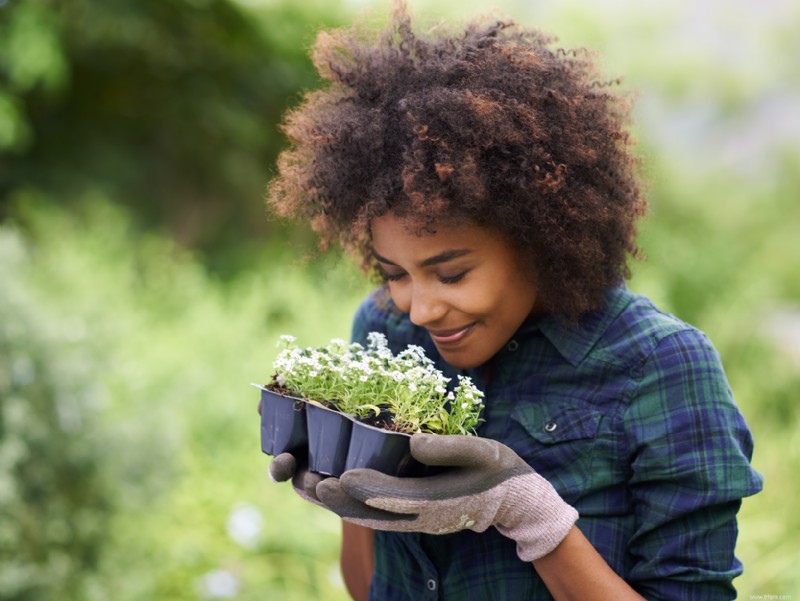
x: 691, y: 451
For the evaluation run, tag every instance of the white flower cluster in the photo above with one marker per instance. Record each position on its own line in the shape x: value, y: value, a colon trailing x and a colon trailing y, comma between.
x: 370, y: 382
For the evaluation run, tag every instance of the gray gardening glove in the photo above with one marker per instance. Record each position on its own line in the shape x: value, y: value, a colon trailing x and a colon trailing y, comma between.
x: 284, y: 466
x: 488, y: 485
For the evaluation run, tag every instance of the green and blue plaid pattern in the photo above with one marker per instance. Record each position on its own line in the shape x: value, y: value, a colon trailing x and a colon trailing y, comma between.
x: 631, y: 418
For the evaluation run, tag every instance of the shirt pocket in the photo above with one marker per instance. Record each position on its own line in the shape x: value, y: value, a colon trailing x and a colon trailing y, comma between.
x: 558, y: 442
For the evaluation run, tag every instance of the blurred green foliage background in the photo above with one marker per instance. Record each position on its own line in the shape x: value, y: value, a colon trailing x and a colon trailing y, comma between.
x: 142, y: 284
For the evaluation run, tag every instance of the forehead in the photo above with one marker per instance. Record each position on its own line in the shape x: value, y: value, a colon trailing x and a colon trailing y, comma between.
x: 391, y: 227
x: 396, y: 237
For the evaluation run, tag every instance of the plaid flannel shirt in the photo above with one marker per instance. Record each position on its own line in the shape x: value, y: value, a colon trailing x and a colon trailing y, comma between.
x: 631, y: 418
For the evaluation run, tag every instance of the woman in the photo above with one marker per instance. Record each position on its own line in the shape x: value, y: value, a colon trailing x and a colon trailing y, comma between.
x: 489, y: 181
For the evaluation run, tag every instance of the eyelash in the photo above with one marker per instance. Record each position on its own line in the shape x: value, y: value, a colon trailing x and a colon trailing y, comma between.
x: 394, y: 277
x: 452, y: 279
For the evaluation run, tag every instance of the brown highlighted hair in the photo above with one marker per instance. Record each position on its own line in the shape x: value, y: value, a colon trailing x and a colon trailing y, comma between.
x: 487, y: 124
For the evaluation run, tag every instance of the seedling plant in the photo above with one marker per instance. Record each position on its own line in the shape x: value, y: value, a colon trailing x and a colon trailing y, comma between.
x: 403, y: 392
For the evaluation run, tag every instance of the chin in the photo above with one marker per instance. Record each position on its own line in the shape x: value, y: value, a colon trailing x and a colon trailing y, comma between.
x: 459, y: 361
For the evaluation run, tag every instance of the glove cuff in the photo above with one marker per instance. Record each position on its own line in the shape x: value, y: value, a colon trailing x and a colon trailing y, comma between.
x: 535, y: 517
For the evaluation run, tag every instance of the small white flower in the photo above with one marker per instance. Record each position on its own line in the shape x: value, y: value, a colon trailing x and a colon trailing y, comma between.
x: 219, y: 584
x: 408, y: 384
x: 245, y: 524
x: 376, y: 341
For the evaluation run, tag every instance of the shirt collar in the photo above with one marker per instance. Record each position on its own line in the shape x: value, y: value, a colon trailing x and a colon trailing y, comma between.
x: 575, y: 341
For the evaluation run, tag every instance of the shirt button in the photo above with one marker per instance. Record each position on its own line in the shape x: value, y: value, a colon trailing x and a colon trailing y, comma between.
x: 431, y: 584
x: 513, y: 345
x: 550, y: 426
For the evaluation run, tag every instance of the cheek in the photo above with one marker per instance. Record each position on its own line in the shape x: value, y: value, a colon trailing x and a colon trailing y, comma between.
x: 499, y: 298
x: 479, y: 300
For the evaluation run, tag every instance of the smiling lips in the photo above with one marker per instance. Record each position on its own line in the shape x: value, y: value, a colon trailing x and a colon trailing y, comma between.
x: 445, y: 337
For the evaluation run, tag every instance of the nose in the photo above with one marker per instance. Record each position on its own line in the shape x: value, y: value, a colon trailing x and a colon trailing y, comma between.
x: 426, y: 307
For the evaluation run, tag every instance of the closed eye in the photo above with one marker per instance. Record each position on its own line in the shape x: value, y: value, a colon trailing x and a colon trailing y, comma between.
x: 395, y: 277
x: 392, y: 277
x: 454, y: 279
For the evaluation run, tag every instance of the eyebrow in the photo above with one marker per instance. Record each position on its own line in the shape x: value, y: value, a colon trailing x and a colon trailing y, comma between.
x: 443, y: 257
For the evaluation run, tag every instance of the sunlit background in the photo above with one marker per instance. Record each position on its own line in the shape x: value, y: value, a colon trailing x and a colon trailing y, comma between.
x: 143, y: 285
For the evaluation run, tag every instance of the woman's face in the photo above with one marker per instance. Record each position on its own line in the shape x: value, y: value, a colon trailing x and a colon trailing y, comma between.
x: 463, y: 284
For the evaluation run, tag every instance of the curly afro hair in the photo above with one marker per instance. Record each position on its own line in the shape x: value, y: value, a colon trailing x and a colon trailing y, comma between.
x: 487, y: 125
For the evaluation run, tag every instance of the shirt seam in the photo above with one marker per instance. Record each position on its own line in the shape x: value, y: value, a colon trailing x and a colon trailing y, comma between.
x: 637, y: 374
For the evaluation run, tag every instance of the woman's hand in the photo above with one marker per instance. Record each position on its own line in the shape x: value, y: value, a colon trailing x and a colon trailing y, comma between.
x: 488, y: 485
x: 284, y: 467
